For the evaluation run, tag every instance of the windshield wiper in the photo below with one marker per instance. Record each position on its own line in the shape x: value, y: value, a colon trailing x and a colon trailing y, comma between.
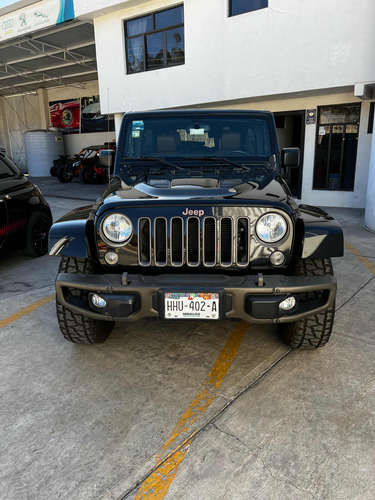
x: 269, y: 166
x: 214, y: 159
x: 152, y: 159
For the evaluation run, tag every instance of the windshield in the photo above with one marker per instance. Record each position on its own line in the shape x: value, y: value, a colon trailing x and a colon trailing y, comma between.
x: 199, y: 136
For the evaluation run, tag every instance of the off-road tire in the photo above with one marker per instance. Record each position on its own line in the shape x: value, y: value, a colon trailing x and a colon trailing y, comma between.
x: 37, y: 230
x: 63, y: 176
x: 313, y: 331
x: 75, y: 327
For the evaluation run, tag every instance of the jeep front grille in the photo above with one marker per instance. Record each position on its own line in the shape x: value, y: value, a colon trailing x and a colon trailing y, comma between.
x: 210, y: 241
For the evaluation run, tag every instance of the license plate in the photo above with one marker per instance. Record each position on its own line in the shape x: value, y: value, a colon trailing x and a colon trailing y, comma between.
x: 191, y: 305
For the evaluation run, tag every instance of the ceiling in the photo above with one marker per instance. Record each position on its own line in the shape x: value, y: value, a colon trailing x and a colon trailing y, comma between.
x: 62, y: 55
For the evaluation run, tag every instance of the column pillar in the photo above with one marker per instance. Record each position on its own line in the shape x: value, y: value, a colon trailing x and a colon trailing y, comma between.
x: 118, y: 120
x: 45, y: 119
x: 370, y: 200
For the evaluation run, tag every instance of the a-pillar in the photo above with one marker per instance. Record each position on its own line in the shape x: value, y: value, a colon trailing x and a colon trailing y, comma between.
x: 118, y: 120
x: 370, y: 200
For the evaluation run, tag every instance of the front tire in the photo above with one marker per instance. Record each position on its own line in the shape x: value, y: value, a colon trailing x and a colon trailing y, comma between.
x: 75, y: 327
x: 37, y: 230
x: 63, y: 176
x: 313, y: 331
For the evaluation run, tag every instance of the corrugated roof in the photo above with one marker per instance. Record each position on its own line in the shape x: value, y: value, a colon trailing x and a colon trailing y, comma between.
x: 64, y: 54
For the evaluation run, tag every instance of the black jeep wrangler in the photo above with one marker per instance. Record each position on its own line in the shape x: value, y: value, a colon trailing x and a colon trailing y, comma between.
x: 197, y: 223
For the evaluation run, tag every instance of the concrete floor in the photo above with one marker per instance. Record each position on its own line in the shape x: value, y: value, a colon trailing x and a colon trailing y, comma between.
x: 93, y: 422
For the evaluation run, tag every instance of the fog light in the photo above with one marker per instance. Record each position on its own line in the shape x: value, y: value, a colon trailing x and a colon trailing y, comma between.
x: 97, y: 300
x: 288, y: 304
x: 111, y: 258
x: 277, y: 258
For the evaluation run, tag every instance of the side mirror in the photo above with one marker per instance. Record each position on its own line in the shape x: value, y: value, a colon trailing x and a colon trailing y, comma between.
x: 290, y: 157
x: 106, y: 158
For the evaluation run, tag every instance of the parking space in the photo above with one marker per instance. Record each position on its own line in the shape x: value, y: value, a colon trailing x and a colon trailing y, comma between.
x: 189, y: 410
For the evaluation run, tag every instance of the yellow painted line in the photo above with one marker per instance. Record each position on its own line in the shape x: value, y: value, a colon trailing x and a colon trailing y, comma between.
x: 157, y: 484
x: 210, y: 386
x: 360, y: 257
x: 32, y: 307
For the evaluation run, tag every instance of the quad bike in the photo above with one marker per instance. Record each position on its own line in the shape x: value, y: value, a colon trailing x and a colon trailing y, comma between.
x: 72, y: 168
x: 61, y: 160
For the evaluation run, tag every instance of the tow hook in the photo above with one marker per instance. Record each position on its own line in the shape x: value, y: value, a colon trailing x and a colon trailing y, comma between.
x: 260, y: 280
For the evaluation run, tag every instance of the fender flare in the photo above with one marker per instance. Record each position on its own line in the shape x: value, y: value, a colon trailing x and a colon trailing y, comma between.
x: 70, y: 239
x: 318, y: 235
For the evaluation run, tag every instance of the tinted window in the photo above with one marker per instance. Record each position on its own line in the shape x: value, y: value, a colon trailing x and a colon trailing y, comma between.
x: 154, y: 50
x: 192, y: 136
x: 139, y: 26
x: 167, y: 18
x: 135, y: 54
x: 5, y: 170
x: 241, y: 6
x: 175, y: 46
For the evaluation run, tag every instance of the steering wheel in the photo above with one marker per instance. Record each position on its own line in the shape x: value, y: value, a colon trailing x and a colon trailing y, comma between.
x: 237, y: 152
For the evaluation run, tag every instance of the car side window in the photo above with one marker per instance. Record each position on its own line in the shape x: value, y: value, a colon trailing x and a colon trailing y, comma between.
x: 5, y: 170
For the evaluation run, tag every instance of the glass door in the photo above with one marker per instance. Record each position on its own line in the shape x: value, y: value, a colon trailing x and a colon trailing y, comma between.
x: 336, y: 147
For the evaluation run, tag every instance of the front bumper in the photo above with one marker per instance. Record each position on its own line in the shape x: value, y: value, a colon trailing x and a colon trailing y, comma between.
x: 253, y: 298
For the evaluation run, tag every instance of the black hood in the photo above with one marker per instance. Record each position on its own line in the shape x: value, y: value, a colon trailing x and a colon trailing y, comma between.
x: 235, y: 189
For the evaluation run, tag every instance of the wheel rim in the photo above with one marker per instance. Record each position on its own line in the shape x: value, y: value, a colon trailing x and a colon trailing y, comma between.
x: 40, y: 235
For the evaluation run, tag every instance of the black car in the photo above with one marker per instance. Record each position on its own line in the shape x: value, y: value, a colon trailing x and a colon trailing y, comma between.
x: 25, y: 216
x: 198, y: 223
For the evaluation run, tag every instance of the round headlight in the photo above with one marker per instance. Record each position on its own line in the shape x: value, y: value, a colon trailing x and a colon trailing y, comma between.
x: 271, y: 228
x: 117, y: 228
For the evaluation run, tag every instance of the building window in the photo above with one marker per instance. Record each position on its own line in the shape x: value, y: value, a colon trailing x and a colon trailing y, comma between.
x: 240, y: 6
x: 155, y: 41
x: 336, y: 147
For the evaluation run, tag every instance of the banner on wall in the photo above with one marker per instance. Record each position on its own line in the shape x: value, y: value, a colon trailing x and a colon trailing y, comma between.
x: 73, y: 115
x: 65, y: 115
x: 34, y: 17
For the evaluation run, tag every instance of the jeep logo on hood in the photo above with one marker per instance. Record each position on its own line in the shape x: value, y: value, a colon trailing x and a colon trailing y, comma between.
x: 193, y: 212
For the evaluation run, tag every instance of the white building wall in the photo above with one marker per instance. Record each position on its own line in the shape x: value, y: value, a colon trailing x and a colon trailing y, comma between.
x: 289, y: 47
